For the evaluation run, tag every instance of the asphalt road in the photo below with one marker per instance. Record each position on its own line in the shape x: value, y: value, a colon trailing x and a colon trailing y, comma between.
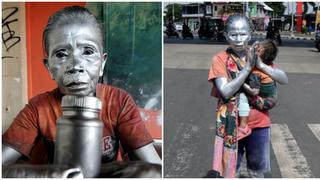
x: 189, y: 112
x: 196, y: 40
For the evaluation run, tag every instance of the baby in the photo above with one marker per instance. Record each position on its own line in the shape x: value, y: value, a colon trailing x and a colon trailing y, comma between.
x: 259, y: 88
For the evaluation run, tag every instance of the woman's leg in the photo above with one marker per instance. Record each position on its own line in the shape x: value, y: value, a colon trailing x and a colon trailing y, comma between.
x: 258, y: 152
x: 241, y: 149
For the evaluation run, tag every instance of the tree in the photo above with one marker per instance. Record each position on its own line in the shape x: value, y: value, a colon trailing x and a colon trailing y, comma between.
x: 277, y: 7
x: 177, y: 11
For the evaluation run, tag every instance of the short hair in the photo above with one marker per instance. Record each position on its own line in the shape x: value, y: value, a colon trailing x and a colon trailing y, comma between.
x: 70, y: 15
x: 270, y: 51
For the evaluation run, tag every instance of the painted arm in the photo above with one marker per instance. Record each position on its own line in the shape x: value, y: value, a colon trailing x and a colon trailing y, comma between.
x: 9, y: 155
x: 146, y: 153
x: 275, y: 73
x: 40, y: 171
x: 250, y: 91
x: 227, y: 89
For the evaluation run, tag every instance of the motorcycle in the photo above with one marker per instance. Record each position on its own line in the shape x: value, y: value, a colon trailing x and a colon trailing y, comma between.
x: 274, y: 34
x: 317, y: 40
x: 186, y: 32
x: 205, y: 31
x: 220, y: 32
x: 171, y: 31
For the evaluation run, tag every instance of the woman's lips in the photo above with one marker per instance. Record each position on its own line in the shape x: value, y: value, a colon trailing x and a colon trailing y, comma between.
x: 77, y: 85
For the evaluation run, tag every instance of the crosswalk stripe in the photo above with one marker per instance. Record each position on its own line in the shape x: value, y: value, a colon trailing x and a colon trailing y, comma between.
x: 290, y: 159
x: 315, y: 128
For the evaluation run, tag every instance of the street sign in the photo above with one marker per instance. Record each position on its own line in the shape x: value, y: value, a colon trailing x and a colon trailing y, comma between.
x: 282, y: 18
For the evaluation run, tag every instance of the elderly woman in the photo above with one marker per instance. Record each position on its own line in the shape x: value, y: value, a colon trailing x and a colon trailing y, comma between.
x: 227, y: 78
x: 75, y: 59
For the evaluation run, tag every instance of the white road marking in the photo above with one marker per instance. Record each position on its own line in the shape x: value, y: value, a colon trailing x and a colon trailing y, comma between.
x: 315, y: 128
x: 290, y: 159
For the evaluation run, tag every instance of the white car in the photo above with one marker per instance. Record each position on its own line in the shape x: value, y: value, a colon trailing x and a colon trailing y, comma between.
x: 178, y: 26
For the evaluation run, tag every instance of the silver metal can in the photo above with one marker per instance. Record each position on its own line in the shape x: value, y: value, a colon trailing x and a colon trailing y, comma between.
x: 79, y: 134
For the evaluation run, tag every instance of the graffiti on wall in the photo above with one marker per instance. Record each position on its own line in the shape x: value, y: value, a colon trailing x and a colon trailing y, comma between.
x: 9, y: 37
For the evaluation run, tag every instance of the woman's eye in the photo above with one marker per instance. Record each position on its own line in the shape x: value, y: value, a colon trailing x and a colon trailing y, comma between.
x: 61, y: 54
x: 88, y: 51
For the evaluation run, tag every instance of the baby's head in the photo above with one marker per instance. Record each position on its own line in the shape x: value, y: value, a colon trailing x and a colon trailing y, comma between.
x: 268, y: 51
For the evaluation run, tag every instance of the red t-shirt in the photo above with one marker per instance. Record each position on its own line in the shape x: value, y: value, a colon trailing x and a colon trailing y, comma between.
x: 33, y: 131
x: 257, y: 119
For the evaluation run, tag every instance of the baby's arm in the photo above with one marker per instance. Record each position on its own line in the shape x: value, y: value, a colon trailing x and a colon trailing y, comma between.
x: 250, y: 91
x: 267, y: 102
x: 252, y: 85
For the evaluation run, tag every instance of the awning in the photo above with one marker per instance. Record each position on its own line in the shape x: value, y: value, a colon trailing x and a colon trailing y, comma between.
x: 266, y: 7
x: 165, y: 4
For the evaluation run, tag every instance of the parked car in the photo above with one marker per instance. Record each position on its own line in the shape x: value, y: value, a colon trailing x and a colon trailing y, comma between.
x: 178, y: 26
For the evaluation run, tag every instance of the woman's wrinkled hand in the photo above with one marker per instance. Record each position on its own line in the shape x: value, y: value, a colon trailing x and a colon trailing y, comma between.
x: 252, y: 57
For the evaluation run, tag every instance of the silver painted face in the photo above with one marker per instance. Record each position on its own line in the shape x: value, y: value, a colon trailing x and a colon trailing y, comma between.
x: 238, y: 33
x: 75, y: 59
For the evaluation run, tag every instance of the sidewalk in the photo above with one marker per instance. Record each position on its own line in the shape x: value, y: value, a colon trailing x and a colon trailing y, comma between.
x: 284, y: 35
x: 287, y: 35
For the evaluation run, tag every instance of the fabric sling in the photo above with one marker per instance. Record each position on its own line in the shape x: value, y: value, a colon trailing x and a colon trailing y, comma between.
x: 226, y: 145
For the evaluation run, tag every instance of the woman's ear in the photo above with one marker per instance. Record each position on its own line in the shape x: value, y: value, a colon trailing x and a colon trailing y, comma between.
x: 46, y: 64
x: 104, y: 60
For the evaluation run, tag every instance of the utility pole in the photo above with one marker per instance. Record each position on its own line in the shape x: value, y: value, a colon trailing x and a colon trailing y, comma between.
x: 173, y: 13
x: 199, y: 13
x: 247, y: 8
x: 292, y: 19
x: 244, y: 8
x: 315, y: 24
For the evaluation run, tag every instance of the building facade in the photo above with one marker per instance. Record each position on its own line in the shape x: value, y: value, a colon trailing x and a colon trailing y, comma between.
x: 192, y: 13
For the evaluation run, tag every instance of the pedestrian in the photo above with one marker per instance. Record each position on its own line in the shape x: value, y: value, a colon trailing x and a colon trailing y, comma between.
x: 310, y: 29
x: 228, y: 151
x: 270, y: 31
x: 75, y: 59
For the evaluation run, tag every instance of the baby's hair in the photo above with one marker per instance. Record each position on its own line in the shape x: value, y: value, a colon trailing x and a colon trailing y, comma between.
x: 70, y: 15
x: 270, y: 51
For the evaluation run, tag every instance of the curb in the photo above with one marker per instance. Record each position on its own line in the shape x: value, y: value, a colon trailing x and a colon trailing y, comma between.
x: 287, y: 37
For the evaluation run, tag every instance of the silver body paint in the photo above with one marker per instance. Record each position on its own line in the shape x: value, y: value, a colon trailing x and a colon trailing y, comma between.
x: 274, y: 72
x: 40, y: 171
x: 75, y: 59
x: 146, y: 153
x: 9, y: 155
x: 238, y: 33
